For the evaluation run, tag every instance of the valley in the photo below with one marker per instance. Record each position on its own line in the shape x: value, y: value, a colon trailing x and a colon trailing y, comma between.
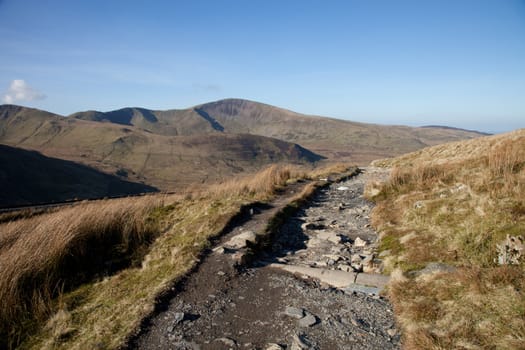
x: 209, y: 143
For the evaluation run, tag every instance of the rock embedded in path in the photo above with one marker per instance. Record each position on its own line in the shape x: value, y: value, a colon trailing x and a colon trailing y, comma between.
x: 330, y: 236
x: 241, y: 240
x: 336, y: 278
x: 294, y: 312
x: 372, y: 280
x: 391, y: 332
x: 219, y: 250
x: 178, y: 317
x: 300, y: 343
x: 359, y: 242
x: 308, y: 321
x: 273, y: 346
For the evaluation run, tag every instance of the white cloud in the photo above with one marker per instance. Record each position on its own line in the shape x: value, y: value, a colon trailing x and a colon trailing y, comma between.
x: 19, y: 91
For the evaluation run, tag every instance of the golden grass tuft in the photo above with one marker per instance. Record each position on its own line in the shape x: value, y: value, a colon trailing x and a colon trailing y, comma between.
x: 41, y: 256
x: 453, y: 204
x: 262, y: 184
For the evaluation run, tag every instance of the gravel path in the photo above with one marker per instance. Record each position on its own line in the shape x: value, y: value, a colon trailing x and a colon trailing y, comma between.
x: 265, y: 306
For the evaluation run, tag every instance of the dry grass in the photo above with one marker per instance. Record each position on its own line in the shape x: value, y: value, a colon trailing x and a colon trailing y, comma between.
x: 42, y: 256
x: 263, y: 184
x: 84, y: 276
x: 453, y: 204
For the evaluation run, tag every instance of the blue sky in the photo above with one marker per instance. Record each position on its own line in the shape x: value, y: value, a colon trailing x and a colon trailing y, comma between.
x: 459, y: 63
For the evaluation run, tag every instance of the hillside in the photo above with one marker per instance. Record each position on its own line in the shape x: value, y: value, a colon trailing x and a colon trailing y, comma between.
x: 207, y: 143
x: 333, y: 138
x: 452, y: 222
x: 166, y: 162
x: 28, y: 177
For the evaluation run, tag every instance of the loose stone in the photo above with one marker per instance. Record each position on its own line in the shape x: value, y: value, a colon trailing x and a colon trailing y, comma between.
x: 294, y: 312
x: 308, y: 321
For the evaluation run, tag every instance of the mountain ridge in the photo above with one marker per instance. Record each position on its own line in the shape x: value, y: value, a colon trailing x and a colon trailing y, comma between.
x: 330, y: 137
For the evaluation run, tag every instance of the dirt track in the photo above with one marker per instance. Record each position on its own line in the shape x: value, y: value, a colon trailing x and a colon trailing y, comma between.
x: 261, y: 306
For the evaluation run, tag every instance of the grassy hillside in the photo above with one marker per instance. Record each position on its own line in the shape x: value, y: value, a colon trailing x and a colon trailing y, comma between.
x: 453, y: 204
x: 84, y: 276
x: 166, y: 162
x: 28, y: 177
x: 333, y: 138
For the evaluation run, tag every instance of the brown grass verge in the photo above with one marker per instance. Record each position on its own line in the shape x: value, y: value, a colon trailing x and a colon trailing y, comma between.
x: 43, y: 256
x: 453, y: 204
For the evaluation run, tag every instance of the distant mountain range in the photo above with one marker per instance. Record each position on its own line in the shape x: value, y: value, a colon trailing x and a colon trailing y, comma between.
x: 351, y: 141
x: 209, y: 142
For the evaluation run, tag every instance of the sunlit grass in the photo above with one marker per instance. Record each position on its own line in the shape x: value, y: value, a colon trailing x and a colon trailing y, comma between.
x: 453, y: 204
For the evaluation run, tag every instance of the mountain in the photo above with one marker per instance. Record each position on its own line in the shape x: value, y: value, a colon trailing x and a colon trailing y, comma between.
x: 119, y: 147
x: 209, y: 142
x: 333, y: 138
x: 28, y: 177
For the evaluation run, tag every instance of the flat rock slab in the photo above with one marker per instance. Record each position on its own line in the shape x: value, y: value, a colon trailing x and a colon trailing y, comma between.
x: 336, y: 278
x: 372, y: 280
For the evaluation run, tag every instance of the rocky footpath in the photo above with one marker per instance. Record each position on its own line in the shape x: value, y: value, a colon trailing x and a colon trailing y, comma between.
x: 316, y: 286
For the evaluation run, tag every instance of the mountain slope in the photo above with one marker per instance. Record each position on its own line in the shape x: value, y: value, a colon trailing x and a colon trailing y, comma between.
x: 356, y: 141
x: 339, y: 139
x: 166, y: 162
x: 28, y: 177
